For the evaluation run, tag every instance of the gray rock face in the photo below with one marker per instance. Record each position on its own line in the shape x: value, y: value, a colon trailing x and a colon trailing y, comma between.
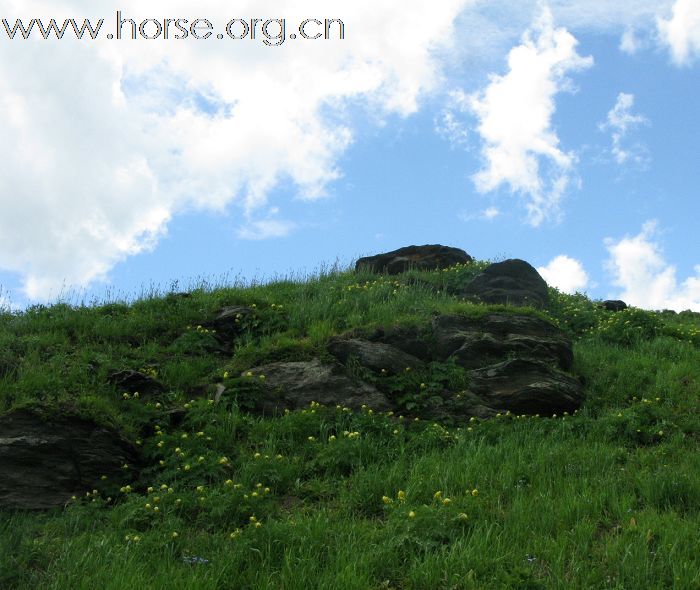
x: 292, y: 385
x: 44, y: 463
x: 427, y: 257
x: 511, y: 282
x: 373, y: 355
x: 526, y: 387
x: 497, y: 337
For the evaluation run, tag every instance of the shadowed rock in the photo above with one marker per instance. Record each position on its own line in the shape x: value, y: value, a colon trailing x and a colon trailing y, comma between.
x: 427, y: 257
x: 44, y: 463
x: 373, y: 355
x: 515, y: 362
x: 409, y: 339
x: 477, y: 342
x: 511, y: 282
x: 526, y: 387
x: 293, y: 385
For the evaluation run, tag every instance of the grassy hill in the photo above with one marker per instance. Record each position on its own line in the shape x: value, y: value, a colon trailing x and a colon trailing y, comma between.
x: 608, y: 497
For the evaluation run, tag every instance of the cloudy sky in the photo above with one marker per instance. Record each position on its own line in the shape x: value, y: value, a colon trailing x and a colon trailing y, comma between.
x: 563, y: 132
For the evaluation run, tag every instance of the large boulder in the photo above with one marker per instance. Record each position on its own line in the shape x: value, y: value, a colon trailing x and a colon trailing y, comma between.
x: 372, y: 355
x: 513, y: 361
x: 295, y: 384
x: 511, y: 282
x: 427, y: 257
x: 526, y: 386
x: 477, y: 342
x: 516, y: 362
x: 614, y: 305
x: 45, y: 462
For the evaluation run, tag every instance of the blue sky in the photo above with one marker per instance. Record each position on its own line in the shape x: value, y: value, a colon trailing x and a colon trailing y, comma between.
x: 563, y: 133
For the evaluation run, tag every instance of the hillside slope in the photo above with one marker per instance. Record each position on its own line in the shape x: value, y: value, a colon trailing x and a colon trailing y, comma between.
x: 349, y: 430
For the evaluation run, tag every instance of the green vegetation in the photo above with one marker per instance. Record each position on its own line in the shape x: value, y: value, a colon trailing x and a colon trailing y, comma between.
x: 328, y: 498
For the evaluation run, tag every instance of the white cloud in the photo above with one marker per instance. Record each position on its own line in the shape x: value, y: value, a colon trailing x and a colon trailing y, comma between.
x: 488, y: 214
x: 607, y: 16
x: 103, y: 142
x: 619, y: 121
x: 515, y: 119
x: 265, y: 229
x: 629, y: 42
x: 566, y: 274
x: 640, y: 24
x: 640, y: 35
x: 491, y: 28
x: 449, y: 124
x: 681, y: 32
x: 646, y: 278
x: 452, y: 129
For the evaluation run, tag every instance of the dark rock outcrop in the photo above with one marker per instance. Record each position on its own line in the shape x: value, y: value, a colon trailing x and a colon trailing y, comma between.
x: 511, y: 282
x: 515, y: 362
x: 427, y: 257
x: 409, y: 339
x: 44, y: 463
x: 614, y: 305
x: 295, y: 384
x: 525, y: 386
x: 476, y: 342
x: 372, y: 355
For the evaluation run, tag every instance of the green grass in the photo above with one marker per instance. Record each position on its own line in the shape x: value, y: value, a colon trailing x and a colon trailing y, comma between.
x: 607, y: 498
